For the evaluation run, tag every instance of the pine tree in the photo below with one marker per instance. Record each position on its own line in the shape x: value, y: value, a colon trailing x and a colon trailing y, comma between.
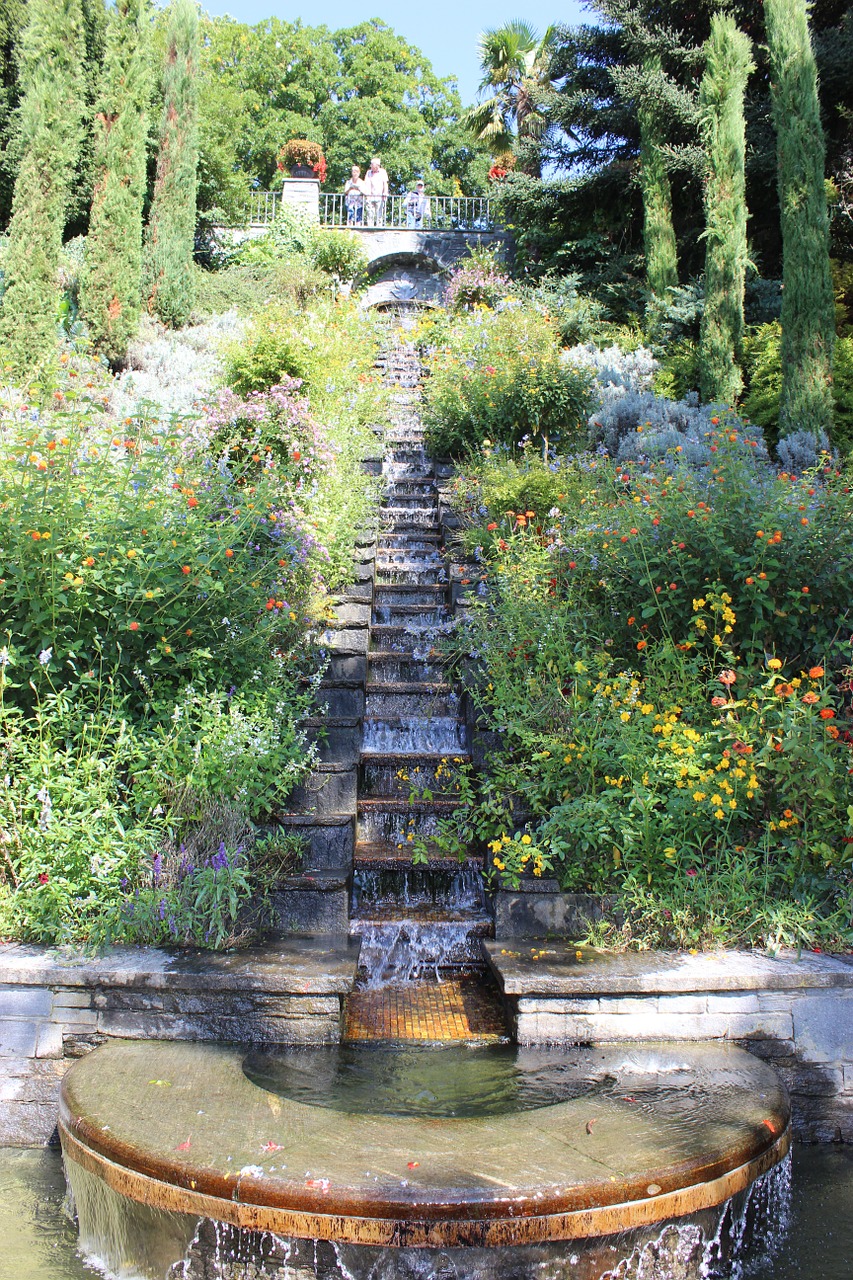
x: 111, y: 288
x: 658, y: 229
x: 808, y: 313
x: 171, y: 226
x: 721, y: 95
x: 50, y: 124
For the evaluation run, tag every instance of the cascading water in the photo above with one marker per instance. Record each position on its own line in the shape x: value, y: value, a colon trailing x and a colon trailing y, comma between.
x: 412, y: 723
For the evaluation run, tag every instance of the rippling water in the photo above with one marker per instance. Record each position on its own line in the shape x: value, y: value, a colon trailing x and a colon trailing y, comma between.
x: 37, y: 1242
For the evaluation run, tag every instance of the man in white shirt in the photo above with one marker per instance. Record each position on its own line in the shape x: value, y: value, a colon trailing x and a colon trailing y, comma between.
x: 376, y: 193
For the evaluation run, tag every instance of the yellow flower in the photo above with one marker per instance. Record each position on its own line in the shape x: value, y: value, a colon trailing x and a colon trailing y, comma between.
x: 718, y: 813
x: 624, y: 716
x: 525, y: 839
x: 698, y: 796
x: 774, y: 664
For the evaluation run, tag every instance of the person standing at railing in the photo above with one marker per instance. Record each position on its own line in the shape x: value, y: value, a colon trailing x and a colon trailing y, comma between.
x: 354, y: 197
x: 417, y: 207
x: 376, y: 193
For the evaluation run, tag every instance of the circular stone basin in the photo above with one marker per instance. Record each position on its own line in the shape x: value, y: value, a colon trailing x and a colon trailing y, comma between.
x: 568, y: 1144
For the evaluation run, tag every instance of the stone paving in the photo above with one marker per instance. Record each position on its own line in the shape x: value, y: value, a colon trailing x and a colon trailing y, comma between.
x: 456, y: 1009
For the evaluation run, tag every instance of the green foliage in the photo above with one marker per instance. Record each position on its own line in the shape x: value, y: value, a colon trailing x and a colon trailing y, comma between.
x: 50, y: 133
x: 12, y: 22
x: 500, y: 377
x: 721, y: 94
x: 248, y: 288
x: 763, y: 366
x: 808, y: 309
x: 516, y: 65
x: 658, y: 229
x: 340, y: 255
x: 111, y: 291
x: 171, y: 226
x: 652, y: 745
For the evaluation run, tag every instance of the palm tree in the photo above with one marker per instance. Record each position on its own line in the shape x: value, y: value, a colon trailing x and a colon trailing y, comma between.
x: 516, y: 65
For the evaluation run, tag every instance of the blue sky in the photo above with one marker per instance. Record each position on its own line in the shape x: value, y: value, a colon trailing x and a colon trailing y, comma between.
x: 446, y: 30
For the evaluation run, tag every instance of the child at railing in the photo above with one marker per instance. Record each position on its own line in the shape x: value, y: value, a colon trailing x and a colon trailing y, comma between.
x: 417, y: 207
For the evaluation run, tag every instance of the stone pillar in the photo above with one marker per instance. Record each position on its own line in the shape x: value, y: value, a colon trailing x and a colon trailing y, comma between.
x: 302, y: 193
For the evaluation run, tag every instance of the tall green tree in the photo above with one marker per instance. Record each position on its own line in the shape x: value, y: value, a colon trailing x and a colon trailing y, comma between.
x: 721, y: 95
x: 111, y: 287
x: 13, y: 15
x: 516, y: 63
x: 170, y: 235
x: 808, y: 308
x: 50, y: 128
x: 658, y: 228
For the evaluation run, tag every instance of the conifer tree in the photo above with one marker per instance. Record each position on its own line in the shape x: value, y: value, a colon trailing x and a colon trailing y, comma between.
x: 658, y: 229
x: 111, y: 288
x: 50, y: 124
x: 171, y: 225
x: 721, y: 95
x: 808, y: 314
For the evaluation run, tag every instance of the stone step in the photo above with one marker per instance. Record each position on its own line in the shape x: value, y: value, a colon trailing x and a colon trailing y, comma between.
x: 408, y: 593
x: 426, y: 574
x: 412, y: 735
x: 386, y: 665
x: 378, y: 856
x: 421, y: 706
x: 405, y: 639
x: 401, y: 615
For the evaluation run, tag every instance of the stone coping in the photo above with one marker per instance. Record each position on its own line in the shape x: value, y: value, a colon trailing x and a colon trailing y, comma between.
x: 298, y: 963
x: 524, y: 967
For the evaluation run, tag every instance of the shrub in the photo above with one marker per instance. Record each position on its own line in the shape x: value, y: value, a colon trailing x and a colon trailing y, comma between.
x: 763, y: 363
x: 249, y: 288
x: 502, y: 379
x: 615, y: 371
x: 646, y: 426
x: 477, y: 282
x: 339, y: 254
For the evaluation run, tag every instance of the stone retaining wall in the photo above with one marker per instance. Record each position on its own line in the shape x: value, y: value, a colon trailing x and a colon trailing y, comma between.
x: 54, y: 1007
x: 795, y: 1012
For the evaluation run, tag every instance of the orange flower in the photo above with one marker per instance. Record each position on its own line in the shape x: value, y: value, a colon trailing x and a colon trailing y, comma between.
x: 192, y: 502
x: 89, y: 561
x: 804, y: 590
x: 815, y: 673
x: 229, y: 553
x: 641, y: 644
x: 762, y: 576
x: 134, y: 626
x: 810, y: 698
x: 727, y: 677
x: 717, y: 701
x: 827, y: 713
x: 750, y: 581
x: 491, y: 527
x: 631, y: 620
x: 832, y: 731
x: 784, y: 690
x: 185, y: 569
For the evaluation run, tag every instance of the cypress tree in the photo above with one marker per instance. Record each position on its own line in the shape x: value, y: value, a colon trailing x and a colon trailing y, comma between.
x: 808, y: 313
x: 50, y: 124
x: 721, y: 94
x: 12, y: 20
x: 171, y: 225
x: 111, y: 288
x: 658, y: 229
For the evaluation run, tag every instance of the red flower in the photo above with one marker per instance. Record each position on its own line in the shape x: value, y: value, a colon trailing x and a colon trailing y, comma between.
x: 43, y: 877
x: 134, y: 626
x: 297, y: 456
x: 491, y: 527
x: 192, y: 502
x: 185, y: 569
x: 827, y: 713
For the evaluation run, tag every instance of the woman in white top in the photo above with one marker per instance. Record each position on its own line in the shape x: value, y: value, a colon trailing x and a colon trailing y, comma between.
x: 354, y: 198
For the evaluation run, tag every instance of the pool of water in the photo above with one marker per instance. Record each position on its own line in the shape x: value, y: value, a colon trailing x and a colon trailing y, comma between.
x: 37, y: 1241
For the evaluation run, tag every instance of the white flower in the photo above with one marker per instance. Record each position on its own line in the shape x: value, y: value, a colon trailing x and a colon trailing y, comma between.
x: 4, y: 656
x: 45, y: 656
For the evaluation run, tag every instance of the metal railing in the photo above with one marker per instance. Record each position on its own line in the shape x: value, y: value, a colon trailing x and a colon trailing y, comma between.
x: 445, y: 213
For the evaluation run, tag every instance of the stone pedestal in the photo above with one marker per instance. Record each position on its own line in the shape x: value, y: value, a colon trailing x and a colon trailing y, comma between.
x: 302, y: 193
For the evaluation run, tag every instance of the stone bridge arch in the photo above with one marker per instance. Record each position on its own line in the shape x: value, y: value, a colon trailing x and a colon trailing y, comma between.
x: 408, y: 266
